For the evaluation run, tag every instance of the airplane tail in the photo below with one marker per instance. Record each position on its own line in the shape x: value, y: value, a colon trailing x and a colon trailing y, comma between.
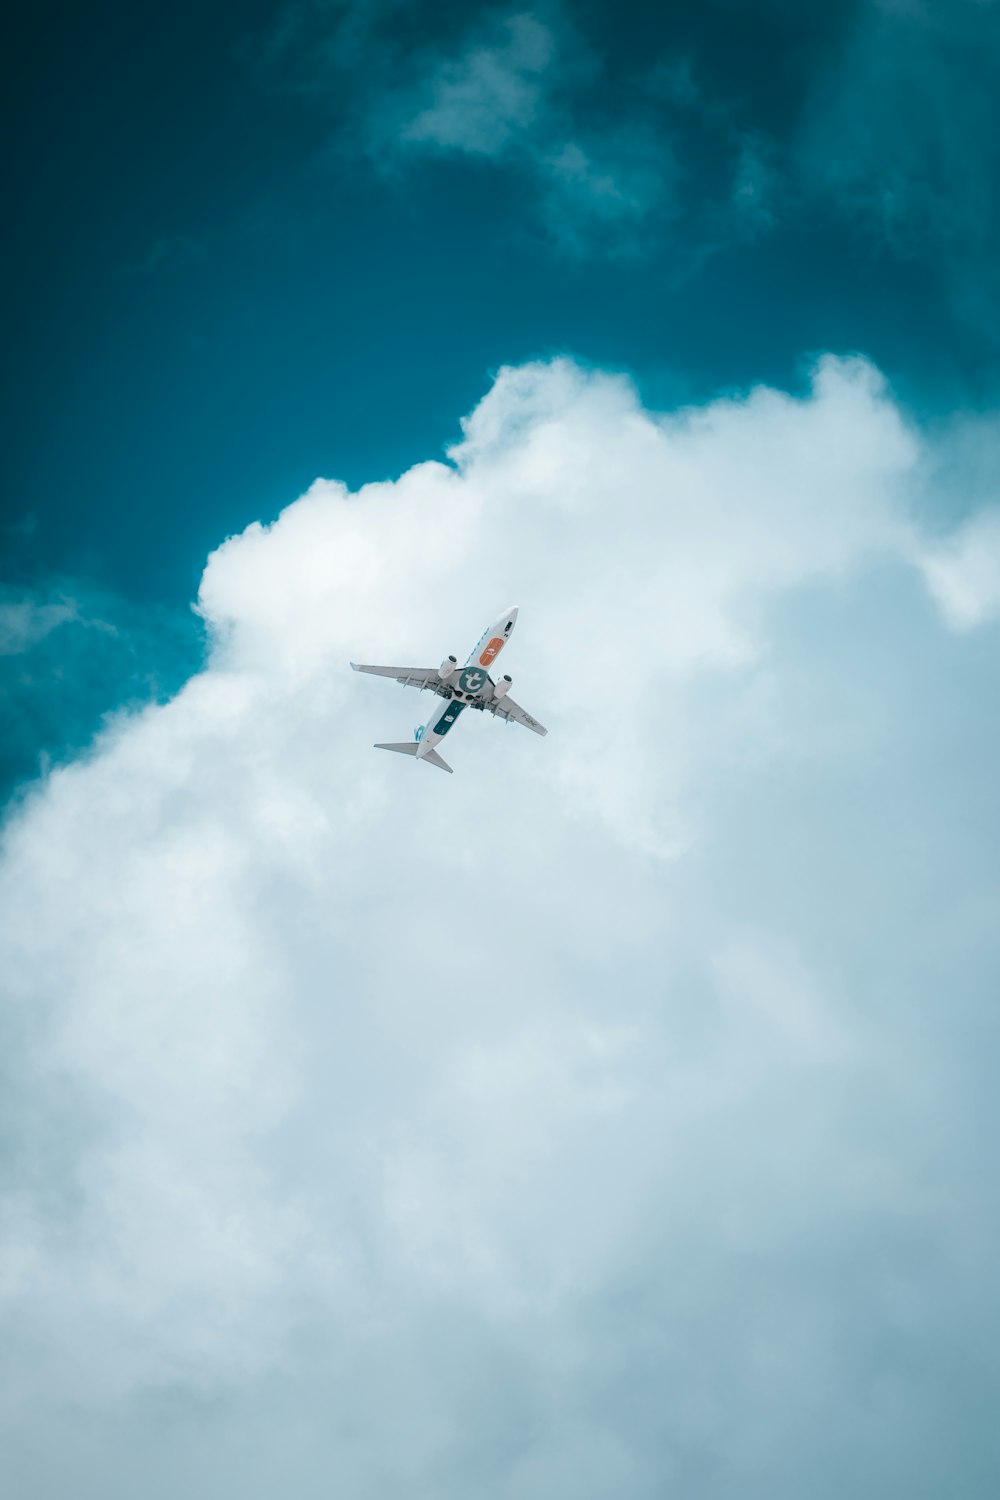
x: 410, y: 747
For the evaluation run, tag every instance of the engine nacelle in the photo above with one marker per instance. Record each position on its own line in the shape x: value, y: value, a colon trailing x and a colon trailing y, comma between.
x: 446, y: 668
x: 502, y: 688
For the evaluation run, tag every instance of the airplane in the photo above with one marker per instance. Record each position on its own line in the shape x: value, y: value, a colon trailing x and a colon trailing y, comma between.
x: 465, y: 687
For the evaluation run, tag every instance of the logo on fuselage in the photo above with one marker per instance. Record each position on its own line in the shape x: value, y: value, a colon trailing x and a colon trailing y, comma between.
x: 471, y: 680
x: 449, y: 716
x: 490, y: 650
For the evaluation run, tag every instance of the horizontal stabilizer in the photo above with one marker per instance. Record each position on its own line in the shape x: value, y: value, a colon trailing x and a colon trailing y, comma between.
x: 436, y: 760
x: 409, y: 747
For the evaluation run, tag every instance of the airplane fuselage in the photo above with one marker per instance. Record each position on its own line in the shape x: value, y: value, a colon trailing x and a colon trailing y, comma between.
x: 468, y: 684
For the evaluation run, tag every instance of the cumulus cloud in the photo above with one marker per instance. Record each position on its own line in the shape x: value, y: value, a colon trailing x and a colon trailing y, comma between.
x: 964, y: 572
x: 604, y: 1117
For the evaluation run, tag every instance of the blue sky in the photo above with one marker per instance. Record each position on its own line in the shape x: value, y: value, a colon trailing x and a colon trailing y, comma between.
x: 229, y: 256
x: 613, y: 1117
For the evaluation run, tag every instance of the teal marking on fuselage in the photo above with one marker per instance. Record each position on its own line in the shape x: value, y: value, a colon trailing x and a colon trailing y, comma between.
x: 472, y: 679
x: 449, y: 716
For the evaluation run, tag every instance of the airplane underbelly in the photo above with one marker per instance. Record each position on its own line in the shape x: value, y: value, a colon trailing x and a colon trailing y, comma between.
x: 439, y: 724
x: 492, y: 641
x: 472, y: 681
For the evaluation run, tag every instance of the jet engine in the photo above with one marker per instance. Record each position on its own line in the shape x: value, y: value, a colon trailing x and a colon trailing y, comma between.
x: 502, y: 688
x: 446, y: 668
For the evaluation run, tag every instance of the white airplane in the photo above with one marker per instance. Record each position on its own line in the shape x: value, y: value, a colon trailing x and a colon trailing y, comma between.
x: 465, y: 687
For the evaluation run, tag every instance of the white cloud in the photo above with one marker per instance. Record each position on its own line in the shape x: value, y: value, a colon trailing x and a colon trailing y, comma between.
x: 964, y: 572
x: 574, y: 1110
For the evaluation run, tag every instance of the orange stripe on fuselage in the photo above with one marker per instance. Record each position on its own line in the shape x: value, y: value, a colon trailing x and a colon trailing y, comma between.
x: 493, y: 647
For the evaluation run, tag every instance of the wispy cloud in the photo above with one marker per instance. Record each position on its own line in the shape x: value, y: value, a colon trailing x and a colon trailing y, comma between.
x: 487, y: 99
x: 25, y: 619
x: 756, y: 184
x: 889, y: 121
x: 900, y: 129
x: 516, y: 92
x: 519, y: 91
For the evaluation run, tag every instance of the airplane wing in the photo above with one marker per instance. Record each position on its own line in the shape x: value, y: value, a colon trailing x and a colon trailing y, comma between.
x: 418, y: 677
x: 506, y: 708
